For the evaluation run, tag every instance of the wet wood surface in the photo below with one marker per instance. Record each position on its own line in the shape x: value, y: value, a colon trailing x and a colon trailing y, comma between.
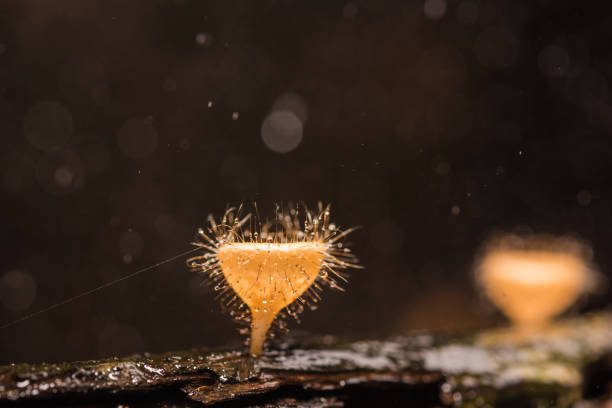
x: 502, y: 367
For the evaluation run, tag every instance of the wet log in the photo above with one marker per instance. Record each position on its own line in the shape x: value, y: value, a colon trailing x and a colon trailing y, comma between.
x: 502, y: 367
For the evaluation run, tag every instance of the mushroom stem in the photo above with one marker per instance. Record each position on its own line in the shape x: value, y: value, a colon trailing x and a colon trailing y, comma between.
x: 260, y: 323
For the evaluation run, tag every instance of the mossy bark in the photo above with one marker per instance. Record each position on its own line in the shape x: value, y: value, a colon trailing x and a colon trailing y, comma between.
x: 490, y: 368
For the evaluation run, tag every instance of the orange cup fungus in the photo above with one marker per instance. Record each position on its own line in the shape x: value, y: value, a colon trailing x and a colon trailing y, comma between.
x: 535, y: 278
x: 266, y: 271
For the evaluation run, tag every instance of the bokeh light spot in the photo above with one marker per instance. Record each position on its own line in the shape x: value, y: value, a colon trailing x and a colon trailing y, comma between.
x: 281, y: 131
x: 60, y: 172
x: 554, y: 61
x: 434, y: 9
x: 203, y: 39
x: 64, y: 177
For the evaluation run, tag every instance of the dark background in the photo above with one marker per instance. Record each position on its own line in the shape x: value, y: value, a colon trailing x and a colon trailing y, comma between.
x: 123, y: 124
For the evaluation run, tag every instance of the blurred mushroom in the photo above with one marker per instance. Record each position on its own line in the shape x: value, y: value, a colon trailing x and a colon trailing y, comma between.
x: 533, y: 278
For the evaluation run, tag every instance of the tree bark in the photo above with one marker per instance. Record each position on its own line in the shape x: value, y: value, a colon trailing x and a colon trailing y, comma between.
x: 500, y: 367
